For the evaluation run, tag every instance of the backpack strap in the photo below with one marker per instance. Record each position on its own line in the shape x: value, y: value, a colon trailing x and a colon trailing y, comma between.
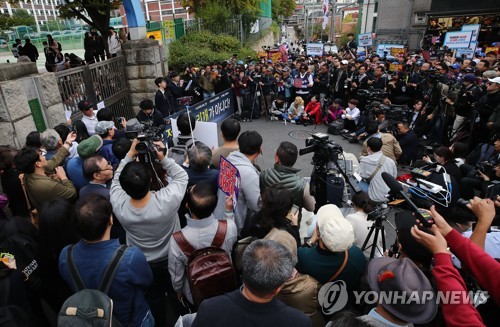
x: 76, y: 278
x: 111, y: 269
x: 183, y: 243
x: 220, y: 236
x: 379, y: 165
x: 28, y: 203
x: 346, y: 256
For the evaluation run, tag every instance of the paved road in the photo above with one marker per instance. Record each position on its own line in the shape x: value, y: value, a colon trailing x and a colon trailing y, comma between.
x: 274, y: 132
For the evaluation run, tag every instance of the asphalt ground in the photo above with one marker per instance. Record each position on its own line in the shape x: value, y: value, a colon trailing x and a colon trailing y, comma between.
x: 275, y: 132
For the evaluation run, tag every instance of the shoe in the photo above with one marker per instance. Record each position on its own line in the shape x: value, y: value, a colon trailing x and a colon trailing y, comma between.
x: 345, y: 131
x: 292, y: 121
x: 353, y: 134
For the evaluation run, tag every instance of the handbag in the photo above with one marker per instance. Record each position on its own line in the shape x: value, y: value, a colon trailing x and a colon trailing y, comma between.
x: 32, y: 212
x: 340, y: 269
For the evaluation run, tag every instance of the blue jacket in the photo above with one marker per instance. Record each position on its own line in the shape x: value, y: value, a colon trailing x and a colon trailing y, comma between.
x: 107, y: 152
x: 131, y: 280
x: 74, y: 170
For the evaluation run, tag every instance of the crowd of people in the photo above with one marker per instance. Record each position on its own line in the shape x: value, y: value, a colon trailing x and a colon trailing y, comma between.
x: 78, y: 192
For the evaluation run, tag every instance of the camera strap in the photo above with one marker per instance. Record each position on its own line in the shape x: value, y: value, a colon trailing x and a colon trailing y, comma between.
x: 379, y: 165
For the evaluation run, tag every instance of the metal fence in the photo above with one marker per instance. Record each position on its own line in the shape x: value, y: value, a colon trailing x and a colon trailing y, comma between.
x: 104, y: 81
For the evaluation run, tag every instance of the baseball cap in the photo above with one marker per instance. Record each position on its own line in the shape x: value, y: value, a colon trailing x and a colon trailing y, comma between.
x: 102, y: 127
x: 470, y: 78
x: 455, y: 65
x: 90, y: 146
x: 335, y: 231
x: 84, y: 105
x: 494, y: 80
x: 344, y: 62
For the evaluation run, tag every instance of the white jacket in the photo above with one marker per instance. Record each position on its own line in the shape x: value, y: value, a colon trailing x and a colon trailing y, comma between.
x: 367, y: 165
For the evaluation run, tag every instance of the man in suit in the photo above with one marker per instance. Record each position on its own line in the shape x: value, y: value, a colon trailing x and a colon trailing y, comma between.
x: 409, y: 143
x: 418, y: 121
x: 163, y: 98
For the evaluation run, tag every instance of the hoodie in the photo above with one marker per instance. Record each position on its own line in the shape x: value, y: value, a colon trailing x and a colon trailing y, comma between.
x: 249, y: 192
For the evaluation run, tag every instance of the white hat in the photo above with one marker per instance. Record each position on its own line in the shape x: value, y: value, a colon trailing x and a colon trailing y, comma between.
x: 494, y: 80
x: 345, y: 62
x: 335, y: 231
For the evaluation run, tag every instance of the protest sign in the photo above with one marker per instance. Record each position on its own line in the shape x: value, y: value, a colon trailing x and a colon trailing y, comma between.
x: 205, y: 132
x: 474, y: 28
x: 396, y: 52
x: 365, y: 40
x: 396, y: 67
x: 387, y: 47
x: 314, y: 49
x: 466, y: 52
x: 229, y: 179
x: 457, y: 40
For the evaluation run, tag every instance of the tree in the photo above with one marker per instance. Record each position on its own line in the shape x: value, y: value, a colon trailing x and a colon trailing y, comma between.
x: 20, y: 17
x: 283, y: 8
x: 98, y: 12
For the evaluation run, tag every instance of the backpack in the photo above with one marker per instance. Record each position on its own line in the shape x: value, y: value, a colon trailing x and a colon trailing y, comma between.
x: 11, y: 315
x: 209, y: 270
x: 25, y: 250
x: 179, y: 151
x: 90, y: 307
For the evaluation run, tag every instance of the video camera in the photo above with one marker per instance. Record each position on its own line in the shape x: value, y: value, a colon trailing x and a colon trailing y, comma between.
x: 147, y: 135
x: 397, y: 113
x: 324, y: 149
x: 372, y: 94
x: 486, y: 168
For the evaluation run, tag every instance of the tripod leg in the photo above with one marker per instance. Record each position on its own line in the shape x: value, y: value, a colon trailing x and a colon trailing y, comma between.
x: 374, y: 244
x: 383, y: 239
x: 365, y: 243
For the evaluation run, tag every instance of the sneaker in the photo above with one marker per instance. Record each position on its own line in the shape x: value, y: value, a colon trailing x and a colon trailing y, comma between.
x: 345, y: 131
x: 292, y: 121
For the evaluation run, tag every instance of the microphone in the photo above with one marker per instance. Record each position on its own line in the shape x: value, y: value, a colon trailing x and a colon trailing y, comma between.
x: 396, y: 188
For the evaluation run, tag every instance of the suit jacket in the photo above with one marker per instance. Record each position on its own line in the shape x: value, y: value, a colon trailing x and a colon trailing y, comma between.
x: 163, y: 102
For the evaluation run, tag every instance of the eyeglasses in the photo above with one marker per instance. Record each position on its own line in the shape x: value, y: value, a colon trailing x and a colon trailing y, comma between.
x: 108, y: 167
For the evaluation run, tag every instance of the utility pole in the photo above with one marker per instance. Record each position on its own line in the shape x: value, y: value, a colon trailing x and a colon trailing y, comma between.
x: 332, y: 24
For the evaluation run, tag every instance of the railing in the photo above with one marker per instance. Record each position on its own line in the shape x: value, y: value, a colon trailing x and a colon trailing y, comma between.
x: 103, y: 81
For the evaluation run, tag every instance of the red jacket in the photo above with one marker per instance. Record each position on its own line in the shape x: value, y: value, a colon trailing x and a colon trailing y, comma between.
x: 448, y: 279
x: 483, y: 267
x: 314, y: 109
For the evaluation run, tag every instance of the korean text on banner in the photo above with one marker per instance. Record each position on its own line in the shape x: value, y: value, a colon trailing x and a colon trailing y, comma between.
x: 457, y: 40
x: 365, y: 40
x: 229, y: 179
x: 474, y: 28
x: 314, y: 49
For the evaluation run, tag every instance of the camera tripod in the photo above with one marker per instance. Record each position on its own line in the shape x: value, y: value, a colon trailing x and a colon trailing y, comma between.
x: 378, y: 228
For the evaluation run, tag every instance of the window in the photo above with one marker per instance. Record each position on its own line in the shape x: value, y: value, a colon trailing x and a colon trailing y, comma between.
x: 375, y: 8
x: 374, y: 24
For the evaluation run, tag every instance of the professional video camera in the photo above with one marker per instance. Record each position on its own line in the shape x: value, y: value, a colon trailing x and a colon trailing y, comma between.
x: 327, y: 178
x: 147, y: 135
x: 324, y: 149
x: 486, y: 168
x: 370, y: 95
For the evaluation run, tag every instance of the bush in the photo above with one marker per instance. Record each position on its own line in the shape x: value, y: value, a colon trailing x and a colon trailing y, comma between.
x: 201, y: 48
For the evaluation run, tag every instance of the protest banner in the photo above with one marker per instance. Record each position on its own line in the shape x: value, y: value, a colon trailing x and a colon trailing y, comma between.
x: 261, y: 54
x: 275, y: 56
x: 365, y: 40
x: 396, y: 67
x: 215, y: 110
x: 315, y: 49
x: 457, y: 40
x: 396, y: 52
x: 229, y: 179
x: 387, y: 47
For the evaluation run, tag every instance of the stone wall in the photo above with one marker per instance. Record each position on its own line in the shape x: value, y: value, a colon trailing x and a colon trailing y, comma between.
x: 145, y: 60
x: 27, y: 103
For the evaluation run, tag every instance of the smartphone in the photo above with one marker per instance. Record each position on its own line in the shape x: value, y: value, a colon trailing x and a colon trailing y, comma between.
x: 293, y: 211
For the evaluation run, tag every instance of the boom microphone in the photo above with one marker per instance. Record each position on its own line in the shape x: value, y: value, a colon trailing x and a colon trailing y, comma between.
x: 396, y: 188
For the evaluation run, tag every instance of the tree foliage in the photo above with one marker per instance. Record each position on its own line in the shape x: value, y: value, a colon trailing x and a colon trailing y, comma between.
x: 201, y: 48
x: 282, y: 8
x: 19, y: 17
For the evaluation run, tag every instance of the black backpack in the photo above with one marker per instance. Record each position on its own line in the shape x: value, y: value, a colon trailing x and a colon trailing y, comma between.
x: 90, y: 307
x: 25, y: 251
x: 179, y: 151
x: 11, y: 315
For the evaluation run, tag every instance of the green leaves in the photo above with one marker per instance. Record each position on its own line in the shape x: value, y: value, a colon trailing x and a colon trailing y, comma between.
x: 200, y: 48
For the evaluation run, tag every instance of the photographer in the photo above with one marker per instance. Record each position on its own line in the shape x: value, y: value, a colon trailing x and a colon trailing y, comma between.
x: 468, y: 95
x: 488, y: 157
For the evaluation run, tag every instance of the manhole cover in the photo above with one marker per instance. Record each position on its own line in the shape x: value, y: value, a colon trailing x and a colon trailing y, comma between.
x: 300, y: 134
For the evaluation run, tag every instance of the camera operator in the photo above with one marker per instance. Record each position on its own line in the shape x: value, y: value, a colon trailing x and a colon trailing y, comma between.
x: 489, y: 157
x: 489, y: 105
x: 397, y: 89
x: 379, y: 80
x: 322, y: 83
x: 408, y: 141
x: 414, y: 88
x: 468, y: 95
